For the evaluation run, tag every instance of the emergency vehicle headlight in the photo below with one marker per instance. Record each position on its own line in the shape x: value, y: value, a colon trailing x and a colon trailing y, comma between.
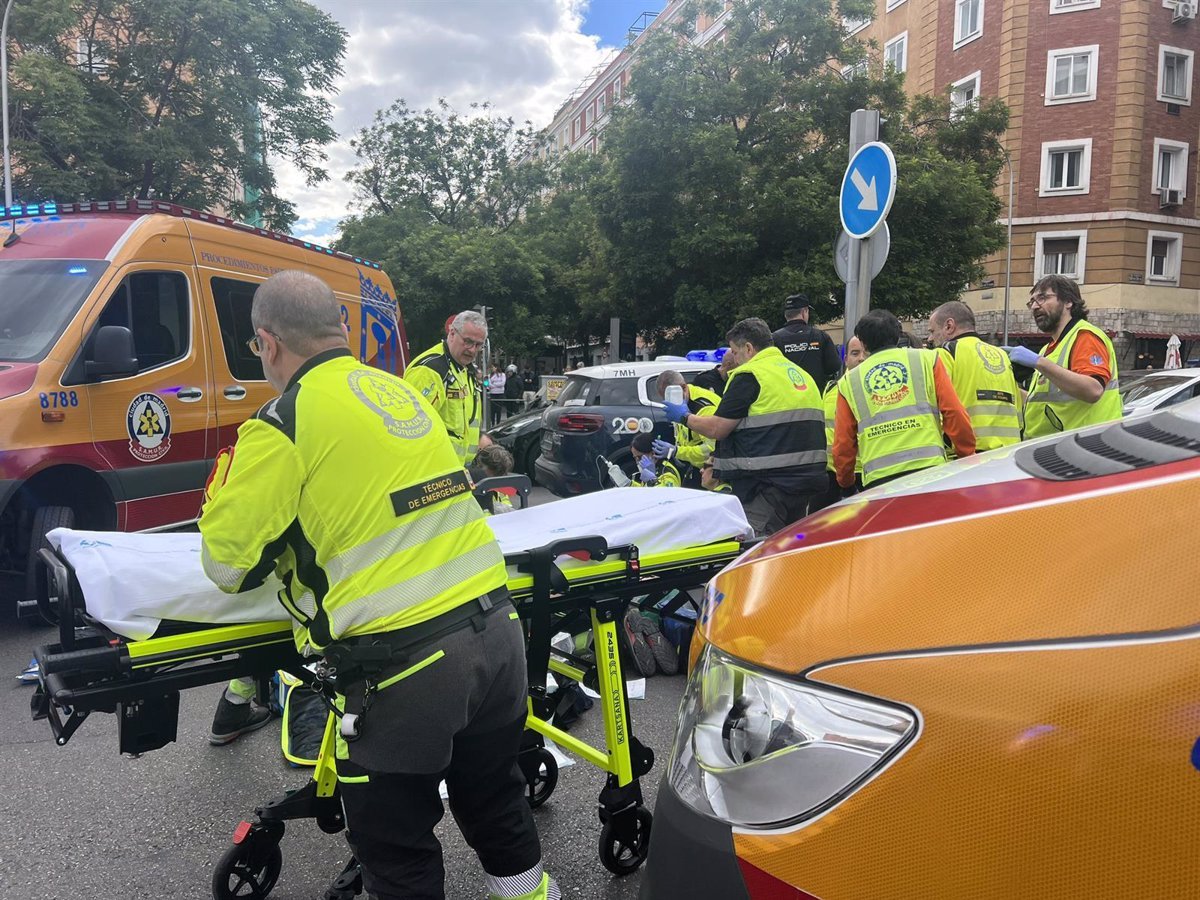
x: 760, y: 750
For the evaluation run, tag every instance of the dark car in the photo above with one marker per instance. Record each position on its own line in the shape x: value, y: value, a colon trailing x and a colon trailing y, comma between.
x: 521, y: 435
x: 597, y: 415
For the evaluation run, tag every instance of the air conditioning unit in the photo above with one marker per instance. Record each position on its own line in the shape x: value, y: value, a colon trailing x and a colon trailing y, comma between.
x: 1170, y: 197
x: 1185, y: 11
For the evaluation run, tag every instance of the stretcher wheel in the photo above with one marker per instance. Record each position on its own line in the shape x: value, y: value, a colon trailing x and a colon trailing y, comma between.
x: 619, y: 854
x: 539, y: 788
x: 249, y: 870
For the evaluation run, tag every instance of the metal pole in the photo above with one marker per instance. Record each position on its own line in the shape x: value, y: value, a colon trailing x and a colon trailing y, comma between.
x: 1008, y: 262
x: 864, y: 128
x: 8, y: 197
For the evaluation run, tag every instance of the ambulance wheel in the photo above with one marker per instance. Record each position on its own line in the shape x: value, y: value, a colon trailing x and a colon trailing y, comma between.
x: 542, y: 785
x: 45, y: 520
x: 248, y: 871
x: 618, y: 855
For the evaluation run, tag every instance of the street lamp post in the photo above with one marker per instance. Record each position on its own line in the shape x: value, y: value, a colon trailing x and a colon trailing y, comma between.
x: 8, y: 198
x: 1008, y: 261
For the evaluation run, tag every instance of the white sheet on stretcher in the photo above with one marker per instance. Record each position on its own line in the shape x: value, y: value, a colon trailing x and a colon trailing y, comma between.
x: 131, y: 582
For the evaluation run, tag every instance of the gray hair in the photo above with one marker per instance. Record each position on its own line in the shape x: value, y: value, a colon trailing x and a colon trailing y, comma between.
x: 753, y: 331
x: 300, y: 308
x: 668, y: 378
x: 956, y: 310
x: 468, y: 317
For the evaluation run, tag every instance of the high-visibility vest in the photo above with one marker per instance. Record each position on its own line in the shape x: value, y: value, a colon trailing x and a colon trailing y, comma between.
x: 893, y: 397
x: 692, y: 448
x: 668, y: 476
x: 983, y: 379
x: 783, y: 431
x: 831, y: 395
x: 1050, y: 409
x: 348, y: 483
x: 452, y: 391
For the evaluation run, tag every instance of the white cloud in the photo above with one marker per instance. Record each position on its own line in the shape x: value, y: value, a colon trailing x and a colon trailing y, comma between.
x: 523, y: 56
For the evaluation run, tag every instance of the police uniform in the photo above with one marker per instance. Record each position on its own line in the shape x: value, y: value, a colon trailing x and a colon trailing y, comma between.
x: 347, y: 486
x: 811, y: 349
x: 1049, y: 409
x: 450, y: 388
x: 983, y: 379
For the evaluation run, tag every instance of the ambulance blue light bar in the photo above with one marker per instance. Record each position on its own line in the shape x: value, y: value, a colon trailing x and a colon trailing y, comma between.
x: 55, y: 209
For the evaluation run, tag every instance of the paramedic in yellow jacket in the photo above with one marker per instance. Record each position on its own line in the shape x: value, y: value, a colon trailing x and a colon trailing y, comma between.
x: 444, y: 376
x: 689, y: 447
x: 347, y: 486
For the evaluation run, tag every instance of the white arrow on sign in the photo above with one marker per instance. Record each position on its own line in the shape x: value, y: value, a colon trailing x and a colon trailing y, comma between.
x: 870, y: 200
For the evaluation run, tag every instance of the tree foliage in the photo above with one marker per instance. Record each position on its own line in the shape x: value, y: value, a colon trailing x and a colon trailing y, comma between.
x: 176, y: 100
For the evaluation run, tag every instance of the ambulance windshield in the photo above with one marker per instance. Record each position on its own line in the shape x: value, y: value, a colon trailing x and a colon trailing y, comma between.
x: 38, y: 298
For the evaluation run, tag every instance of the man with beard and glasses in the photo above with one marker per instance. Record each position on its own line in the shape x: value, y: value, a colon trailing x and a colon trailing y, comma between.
x: 1075, y: 376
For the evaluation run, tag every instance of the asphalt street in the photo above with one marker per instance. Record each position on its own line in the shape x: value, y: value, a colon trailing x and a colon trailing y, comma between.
x: 81, y: 821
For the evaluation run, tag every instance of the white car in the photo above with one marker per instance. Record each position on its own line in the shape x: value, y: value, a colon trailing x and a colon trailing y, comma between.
x: 1144, y: 391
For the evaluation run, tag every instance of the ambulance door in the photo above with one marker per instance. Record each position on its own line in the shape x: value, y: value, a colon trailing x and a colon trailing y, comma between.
x: 152, y: 427
x: 240, y: 387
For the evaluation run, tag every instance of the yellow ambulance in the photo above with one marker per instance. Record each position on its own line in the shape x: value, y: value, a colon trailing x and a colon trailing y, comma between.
x: 124, y: 364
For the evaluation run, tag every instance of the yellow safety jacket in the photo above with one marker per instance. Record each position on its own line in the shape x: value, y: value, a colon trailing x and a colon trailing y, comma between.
x: 784, y: 428
x: 668, y: 476
x: 983, y: 379
x: 695, y: 449
x: 452, y: 391
x: 893, y: 397
x: 348, y: 487
x: 830, y: 399
x: 1049, y: 409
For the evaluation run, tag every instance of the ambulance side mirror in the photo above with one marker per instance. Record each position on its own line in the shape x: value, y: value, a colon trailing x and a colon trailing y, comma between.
x: 112, y: 354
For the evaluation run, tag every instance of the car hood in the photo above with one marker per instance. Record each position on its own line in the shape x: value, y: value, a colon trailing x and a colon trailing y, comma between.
x: 16, y: 378
x: 517, y: 423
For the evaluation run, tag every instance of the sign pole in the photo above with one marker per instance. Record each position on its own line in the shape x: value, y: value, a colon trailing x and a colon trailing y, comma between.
x: 864, y: 129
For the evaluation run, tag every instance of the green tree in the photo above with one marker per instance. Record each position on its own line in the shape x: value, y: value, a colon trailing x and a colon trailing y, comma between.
x: 182, y: 101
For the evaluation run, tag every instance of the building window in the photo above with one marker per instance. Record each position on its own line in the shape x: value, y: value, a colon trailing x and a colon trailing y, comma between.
x: 853, y: 26
x: 1175, y: 75
x: 603, y: 104
x: 1066, y: 167
x: 617, y: 90
x: 892, y: 4
x: 1071, y: 74
x: 1170, y: 166
x: 968, y: 21
x: 859, y: 68
x: 965, y: 92
x: 1062, y: 6
x: 895, y: 53
x: 1162, y: 257
x: 88, y: 56
x: 1061, y: 253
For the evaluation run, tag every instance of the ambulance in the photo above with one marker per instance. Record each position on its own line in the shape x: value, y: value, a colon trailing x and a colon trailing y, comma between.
x: 124, y: 362
x: 980, y: 681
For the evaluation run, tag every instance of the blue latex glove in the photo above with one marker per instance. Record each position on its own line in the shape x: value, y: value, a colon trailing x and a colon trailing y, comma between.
x: 663, y: 449
x: 646, y: 473
x: 1022, y: 356
x: 676, y: 412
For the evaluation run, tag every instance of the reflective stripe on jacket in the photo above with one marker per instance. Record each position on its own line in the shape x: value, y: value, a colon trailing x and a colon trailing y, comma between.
x: 695, y: 449
x: 348, y: 486
x: 983, y: 380
x: 452, y: 391
x: 1049, y: 409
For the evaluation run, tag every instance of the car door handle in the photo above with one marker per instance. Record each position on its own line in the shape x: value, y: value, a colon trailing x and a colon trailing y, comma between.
x: 234, y: 392
x: 189, y: 394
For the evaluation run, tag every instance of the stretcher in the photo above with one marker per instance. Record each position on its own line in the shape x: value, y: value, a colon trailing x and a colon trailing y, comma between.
x: 572, y: 581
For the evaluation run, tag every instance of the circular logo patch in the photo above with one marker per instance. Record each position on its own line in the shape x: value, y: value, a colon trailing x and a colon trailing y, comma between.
x: 991, y: 357
x: 887, y: 382
x: 392, y: 401
x: 797, y: 379
x: 149, y: 424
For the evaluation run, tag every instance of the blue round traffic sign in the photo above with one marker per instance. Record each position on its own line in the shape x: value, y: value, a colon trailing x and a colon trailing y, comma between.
x: 868, y: 189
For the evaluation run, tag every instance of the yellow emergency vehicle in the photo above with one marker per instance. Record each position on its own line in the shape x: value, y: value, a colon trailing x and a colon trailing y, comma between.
x: 124, y: 364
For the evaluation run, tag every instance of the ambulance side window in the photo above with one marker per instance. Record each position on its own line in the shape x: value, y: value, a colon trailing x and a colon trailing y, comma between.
x: 154, y: 306
x: 233, y: 298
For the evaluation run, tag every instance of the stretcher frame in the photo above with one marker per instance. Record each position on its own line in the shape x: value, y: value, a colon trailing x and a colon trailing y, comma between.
x: 91, y: 669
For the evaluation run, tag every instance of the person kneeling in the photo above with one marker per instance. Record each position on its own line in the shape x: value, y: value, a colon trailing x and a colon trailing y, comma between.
x: 652, y: 471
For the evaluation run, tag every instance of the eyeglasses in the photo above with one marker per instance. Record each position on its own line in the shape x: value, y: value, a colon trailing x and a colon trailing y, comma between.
x: 471, y: 343
x: 1040, y: 299
x: 255, y: 344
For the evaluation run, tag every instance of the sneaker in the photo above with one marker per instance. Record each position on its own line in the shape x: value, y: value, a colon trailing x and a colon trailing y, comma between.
x: 635, y: 634
x: 235, y: 719
x: 30, y: 673
x: 665, y: 654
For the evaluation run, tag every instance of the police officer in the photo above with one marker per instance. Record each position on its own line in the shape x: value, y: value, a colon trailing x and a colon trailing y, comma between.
x: 982, y: 376
x: 348, y: 486
x: 689, y: 447
x: 769, y: 430
x: 896, y: 409
x: 807, y: 347
x: 444, y: 375
x: 1075, y: 376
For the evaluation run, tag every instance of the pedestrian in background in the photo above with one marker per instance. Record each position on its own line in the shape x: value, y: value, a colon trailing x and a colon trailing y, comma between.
x: 896, y: 409
x: 1075, y: 376
x: 808, y: 347
x: 529, y: 385
x: 512, y: 390
x: 982, y: 376
x: 495, y: 388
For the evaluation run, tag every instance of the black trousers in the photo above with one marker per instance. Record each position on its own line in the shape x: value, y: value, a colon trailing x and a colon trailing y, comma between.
x: 391, y: 817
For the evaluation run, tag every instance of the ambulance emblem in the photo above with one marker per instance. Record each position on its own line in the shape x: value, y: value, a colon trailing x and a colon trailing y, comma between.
x: 149, y: 425
x: 393, y: 401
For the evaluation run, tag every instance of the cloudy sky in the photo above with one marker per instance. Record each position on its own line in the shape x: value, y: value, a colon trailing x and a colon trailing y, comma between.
x: 524, y: 56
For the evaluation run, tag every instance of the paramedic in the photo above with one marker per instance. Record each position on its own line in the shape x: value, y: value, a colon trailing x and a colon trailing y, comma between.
x: 982, y: 376
x: 443, y: 374
x: 1075, y: 376
x: 348, y: 487
x: 689, y: 447
x: 892, y: 409
x: 769, y: 430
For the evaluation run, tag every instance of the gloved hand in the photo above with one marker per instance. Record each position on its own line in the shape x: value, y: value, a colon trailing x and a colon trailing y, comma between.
x: 216, y: 478
x: 1022, y: 356
x: 646, y: 473
x: 663, y: 449
x: 676, y: 412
